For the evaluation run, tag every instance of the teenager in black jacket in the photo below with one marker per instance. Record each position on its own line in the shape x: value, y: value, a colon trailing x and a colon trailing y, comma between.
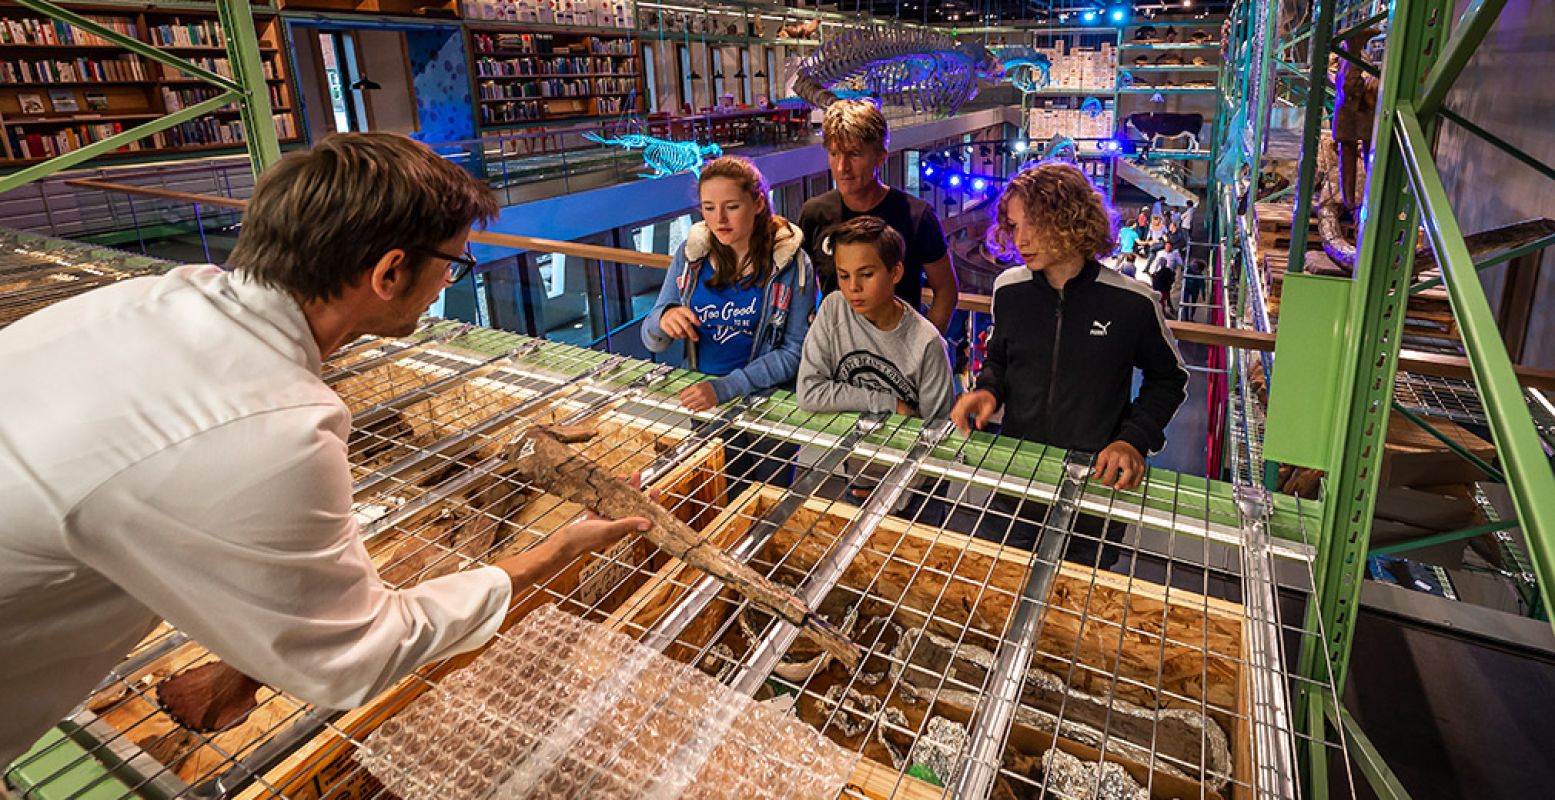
x: 1068, y: 335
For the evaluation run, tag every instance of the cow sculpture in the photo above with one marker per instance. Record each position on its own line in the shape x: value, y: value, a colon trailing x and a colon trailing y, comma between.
x: 1158, y: 125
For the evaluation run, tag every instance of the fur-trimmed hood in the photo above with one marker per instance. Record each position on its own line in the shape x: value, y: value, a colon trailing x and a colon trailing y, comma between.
x: 699, y: 243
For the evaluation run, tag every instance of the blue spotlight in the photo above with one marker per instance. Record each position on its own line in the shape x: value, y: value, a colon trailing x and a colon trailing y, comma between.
x: 1020, y: 146
x: 928, y: 170
x: 979, y: 185
x: 1088, y: 16
x: 1118, y: 14
x: 955, y: 180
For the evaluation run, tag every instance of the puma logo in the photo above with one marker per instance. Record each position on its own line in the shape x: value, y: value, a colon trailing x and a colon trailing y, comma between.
x: 1099, y: 328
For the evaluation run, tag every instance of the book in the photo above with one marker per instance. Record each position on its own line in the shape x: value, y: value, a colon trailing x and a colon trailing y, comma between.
x: 64, y: 100
x: 97, y: 101
x: 32, y: 103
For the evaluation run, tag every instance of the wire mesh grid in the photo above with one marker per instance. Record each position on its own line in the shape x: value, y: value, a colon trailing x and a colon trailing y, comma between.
x: 36, y: 272
x: 1447, y: 398
x: 893, y: 587
x: 1145, y: 666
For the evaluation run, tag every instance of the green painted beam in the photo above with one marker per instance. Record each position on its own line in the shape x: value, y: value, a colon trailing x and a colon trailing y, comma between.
x: 1531, y: 481
x: 1491, y: 261
x: 1311, y: 127
x: 37, y: 171
x: 1370, y: 361
x: 1476, y: 21
x: 264, y: 146
x: 1365, y: 755
x: 1457, y: 449
x: 247, y: 87
x: 1442, y: 538
x: 1502, y: 144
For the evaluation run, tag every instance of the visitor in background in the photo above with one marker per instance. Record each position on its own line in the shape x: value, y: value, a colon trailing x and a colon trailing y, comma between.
x: 856, y: 138
x: 1068, y: 334
x: 1163, y: 273
x: 1193, y: 286
x: 1178, y: 236
x: 1154, y: 236
x: 1128, y: 240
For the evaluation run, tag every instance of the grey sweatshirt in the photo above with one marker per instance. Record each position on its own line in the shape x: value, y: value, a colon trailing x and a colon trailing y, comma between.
x: 850, y: 365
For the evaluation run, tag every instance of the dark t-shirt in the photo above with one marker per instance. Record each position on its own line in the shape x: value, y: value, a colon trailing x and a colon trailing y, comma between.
x: 912, y: 218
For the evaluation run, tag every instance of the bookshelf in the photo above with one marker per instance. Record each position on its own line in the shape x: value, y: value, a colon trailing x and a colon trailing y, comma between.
x: 62, y: 88
x: 545, y: 74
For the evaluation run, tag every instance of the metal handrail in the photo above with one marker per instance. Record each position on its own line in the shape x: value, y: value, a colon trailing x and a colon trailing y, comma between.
x: 1197, y: 332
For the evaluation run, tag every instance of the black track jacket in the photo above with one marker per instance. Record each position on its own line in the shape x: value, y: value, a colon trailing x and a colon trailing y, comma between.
x: 1062, y: 363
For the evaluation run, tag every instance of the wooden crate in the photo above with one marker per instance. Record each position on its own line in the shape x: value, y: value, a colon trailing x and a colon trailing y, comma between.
x: 1143, y: 643
x: 1274, y: 228
x: 1412, y: 457
x: 693, y: 490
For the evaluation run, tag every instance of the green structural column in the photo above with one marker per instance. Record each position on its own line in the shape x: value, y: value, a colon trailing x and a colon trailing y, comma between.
x: 1311, y: 132
x: 237, y: 20
x: 1367, y: 368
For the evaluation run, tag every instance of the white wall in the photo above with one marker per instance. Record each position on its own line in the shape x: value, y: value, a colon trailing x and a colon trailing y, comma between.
x: 667, y: 72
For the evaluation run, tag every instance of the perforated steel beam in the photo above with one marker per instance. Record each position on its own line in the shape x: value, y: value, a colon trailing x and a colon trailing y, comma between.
x: 1376, y: 318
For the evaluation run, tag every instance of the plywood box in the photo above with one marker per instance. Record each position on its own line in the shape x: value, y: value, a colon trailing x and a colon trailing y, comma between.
x: 1104, y: 634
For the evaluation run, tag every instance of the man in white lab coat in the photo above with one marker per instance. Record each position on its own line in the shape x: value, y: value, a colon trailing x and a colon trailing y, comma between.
x: 168, y: 451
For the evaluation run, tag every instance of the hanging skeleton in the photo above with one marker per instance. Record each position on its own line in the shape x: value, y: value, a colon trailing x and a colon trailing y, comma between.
x: 1026, y: 69
x: 925, y: 71
x: 663, y: 156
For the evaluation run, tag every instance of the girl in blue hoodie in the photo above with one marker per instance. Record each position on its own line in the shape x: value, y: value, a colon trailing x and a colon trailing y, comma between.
x: 739, y: 294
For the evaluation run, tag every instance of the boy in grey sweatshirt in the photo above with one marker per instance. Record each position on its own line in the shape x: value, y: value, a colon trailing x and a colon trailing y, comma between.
x: 867, y: 350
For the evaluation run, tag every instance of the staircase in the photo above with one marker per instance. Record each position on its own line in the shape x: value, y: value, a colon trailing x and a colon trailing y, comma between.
x: 1157, y: 181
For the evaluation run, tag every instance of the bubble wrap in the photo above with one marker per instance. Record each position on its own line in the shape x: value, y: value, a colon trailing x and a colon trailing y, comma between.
x: 559, y: 707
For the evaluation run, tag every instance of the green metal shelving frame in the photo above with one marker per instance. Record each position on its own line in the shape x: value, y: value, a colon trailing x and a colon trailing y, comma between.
x: 246, y: 87
x: 1426, y: 51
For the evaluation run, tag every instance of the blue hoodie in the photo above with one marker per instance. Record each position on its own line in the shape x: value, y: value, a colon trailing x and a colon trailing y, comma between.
x: 789, y: 303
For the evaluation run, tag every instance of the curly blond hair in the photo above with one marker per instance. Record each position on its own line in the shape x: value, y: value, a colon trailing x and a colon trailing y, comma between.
x: 1061, y: 203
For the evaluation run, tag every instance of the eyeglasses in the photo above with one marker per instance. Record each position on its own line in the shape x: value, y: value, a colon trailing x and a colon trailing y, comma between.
x: 458, y: 266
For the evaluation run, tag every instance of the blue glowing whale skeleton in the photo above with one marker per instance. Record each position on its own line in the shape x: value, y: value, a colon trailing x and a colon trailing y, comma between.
x: 665, y: 157
x: 929, y: 72
x: 1026, y: 69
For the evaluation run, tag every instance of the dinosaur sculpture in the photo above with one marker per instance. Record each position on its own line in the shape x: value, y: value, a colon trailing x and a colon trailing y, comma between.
x: 923, y: 70
x: 665, y: 157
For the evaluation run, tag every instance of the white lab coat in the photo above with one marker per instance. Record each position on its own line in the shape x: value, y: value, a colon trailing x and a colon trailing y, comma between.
x: 167, y: 451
